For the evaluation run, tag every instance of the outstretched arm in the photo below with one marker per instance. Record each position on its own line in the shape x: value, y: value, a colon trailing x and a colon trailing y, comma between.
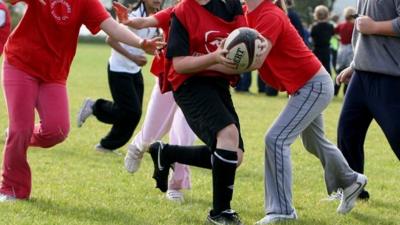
x: 137, y: 23
x: 138, y: 59
x: 121, y: 34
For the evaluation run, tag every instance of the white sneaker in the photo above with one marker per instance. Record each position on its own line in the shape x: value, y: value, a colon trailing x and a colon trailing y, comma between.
x: 175, y: 196
x: 133, y: 158
x: 273, y: 218
x: 7, y: 198
x: 85, y: 111
x: 351, y: 193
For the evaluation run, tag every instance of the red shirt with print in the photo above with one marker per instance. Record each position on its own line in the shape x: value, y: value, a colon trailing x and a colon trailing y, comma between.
x: 206, y: 31
x: 44, y: 43
x: 290, y: 64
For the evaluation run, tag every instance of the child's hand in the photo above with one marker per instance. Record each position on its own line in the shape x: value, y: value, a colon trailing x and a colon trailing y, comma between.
x: 122, y: 12
x: 344, y: 76
x: 366, y: 25
x: 150, y: 46
x: 220, y: 57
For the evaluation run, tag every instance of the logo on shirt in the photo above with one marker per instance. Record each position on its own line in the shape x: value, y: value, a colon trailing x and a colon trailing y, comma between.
x: 61, y: 11
x: 213, y: 40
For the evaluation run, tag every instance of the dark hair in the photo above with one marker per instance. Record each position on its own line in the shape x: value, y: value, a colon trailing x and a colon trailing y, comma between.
x: 233, y: 6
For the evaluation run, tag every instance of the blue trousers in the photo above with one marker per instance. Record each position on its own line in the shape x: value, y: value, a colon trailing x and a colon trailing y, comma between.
x: 369, y: 96
x: 244, y: 82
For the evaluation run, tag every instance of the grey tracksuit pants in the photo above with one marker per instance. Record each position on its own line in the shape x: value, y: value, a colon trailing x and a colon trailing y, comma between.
x: 302, y: 116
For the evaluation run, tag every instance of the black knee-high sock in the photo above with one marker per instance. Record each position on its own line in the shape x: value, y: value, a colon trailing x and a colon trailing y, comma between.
x: 223, y: 172
x: 199, y: 156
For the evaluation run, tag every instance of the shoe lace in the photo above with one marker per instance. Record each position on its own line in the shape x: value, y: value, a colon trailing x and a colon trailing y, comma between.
x: 336, y: 196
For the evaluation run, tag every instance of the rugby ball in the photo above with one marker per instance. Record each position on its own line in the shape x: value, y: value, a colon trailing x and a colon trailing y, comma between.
x: 245, y: 49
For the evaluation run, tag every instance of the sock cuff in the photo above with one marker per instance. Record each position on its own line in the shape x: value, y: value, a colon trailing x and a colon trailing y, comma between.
x: 226, y: 156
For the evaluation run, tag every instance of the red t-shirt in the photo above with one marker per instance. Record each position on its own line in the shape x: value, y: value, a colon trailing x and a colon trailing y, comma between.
x: 290, y: 64
x: 205, y: 33
x: 345, y: 31
x: 44, y: 43
x: 163, y: 17
x: 5, y: 28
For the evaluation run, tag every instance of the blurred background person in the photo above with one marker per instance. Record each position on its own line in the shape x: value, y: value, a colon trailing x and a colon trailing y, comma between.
x: 321, y: 34
x: 244, y: 83
x: 334, y: 43
x: 345, y: 53
x: 125, y: 81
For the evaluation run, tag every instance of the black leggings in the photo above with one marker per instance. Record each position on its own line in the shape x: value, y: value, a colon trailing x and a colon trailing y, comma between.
x: 125, y: 112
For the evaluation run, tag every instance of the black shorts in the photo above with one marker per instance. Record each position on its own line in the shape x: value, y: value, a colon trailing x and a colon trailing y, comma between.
x: 207, y: 105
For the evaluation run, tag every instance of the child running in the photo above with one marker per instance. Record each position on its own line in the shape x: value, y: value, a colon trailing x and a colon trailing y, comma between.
x: 163, y: 114
x: 126, y: 85
x: 197, y: 29
x: 290, y: 66
x: 38, y: 56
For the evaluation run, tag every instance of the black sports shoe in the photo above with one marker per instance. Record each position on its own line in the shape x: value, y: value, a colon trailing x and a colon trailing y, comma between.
x: 364, y: 195
x: 227, y: 217
x: 161, y: 171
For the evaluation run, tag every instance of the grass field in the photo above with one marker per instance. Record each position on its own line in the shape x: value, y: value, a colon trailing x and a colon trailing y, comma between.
x: 73, y: 184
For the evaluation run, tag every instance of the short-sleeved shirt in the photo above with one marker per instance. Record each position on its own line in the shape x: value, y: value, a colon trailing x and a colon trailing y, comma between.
x: 198, y: 30
x: 321, y: 34
x: 118, y: 62
x: 45, y: 41
x: 345, y: 31
x: 178, y: 43
x: 290, y: 64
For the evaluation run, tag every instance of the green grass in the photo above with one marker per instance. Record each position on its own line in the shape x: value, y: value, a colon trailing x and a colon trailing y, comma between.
x: 72, y: 184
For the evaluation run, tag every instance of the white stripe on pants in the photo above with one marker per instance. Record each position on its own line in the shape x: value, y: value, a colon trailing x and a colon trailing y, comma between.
x: 302, y: 116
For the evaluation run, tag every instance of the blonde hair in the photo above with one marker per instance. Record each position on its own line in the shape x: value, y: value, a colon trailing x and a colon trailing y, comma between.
x: 349, y: 12
x: 281, y: 4
x: 321, y: 13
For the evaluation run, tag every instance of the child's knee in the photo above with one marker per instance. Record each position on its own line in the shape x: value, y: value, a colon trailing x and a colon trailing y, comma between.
x: 270, y: 139
x: 54, y: 136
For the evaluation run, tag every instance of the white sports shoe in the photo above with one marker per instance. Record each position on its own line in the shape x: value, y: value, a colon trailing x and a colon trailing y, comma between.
x: 85, y: 111
x: 175, y: 196
x: 133, y: 158
x: 7, y: 198
x: 273, y: 218
x: 351, y: 193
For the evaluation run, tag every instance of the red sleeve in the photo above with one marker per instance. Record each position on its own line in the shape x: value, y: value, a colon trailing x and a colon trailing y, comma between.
x: 163, y: 17
x: 94, y: 15
x: 338, y: 28
x: 270, y: 26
